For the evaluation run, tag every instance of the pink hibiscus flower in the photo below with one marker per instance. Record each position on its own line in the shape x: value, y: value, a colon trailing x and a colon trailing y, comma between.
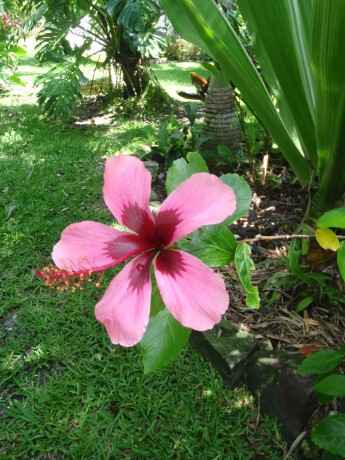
x: 192, y: 292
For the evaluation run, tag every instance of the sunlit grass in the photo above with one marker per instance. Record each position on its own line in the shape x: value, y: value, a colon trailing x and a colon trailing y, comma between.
x: 176, y: 76
x: 66, y: 392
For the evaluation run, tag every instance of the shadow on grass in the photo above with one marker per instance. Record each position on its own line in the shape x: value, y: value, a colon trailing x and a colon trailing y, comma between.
x: 66, y: 391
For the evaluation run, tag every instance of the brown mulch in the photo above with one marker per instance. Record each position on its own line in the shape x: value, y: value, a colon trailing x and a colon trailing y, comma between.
x: 276, y: 325
x: 277, y: 211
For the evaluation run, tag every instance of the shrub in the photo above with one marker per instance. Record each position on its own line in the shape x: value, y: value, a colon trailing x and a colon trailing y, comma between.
x: 180, y: 50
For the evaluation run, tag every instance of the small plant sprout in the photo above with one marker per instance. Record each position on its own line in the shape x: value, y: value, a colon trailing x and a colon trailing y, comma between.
x: 191, y: 291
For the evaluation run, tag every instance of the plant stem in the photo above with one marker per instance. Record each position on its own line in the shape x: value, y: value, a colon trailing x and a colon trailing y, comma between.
x: 281, y: 237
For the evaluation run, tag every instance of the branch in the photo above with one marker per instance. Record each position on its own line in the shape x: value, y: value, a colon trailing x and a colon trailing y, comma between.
x: 281, y: 237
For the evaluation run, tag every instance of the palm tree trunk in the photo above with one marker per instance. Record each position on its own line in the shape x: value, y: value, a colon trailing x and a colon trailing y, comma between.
x: 220, y: 118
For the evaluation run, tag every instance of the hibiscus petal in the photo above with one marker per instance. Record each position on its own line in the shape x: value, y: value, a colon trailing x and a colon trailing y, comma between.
x: 203, y: 199
x: 125, y: 306
x: 127, y: 188
x: 93, y: 246
x: 192, y: 292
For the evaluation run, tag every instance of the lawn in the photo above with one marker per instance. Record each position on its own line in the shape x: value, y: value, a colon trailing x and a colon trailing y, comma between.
x: 66, y: 392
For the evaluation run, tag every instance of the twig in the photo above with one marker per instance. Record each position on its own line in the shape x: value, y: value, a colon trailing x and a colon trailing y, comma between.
x: 294, y: 445
x: 281, y: 237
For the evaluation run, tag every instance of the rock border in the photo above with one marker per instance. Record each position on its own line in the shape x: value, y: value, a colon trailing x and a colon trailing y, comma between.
x: 268, y: 374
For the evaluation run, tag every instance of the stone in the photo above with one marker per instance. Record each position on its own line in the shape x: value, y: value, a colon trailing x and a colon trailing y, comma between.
x: 153, y: 167
x: 281, y: 393
x: 227, y: 349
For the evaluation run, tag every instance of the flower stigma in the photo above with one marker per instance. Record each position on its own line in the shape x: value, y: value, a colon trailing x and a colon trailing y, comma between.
x: 64, y: 280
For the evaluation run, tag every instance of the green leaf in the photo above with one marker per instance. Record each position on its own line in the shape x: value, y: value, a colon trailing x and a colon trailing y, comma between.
x: 304, y: 304
x: 327, y: 239
x: 244, y: 265
x: 214, y: 245
x: 329, y: 456
x: 328, y: 20
x: 322, y: 361
x: 203, y: 24
x: 61, y: 89
x: 16, y: 79
x: 289, y: 74
x: 243, y: 196
x: 18, y: 50
x: 182, y: 170
x: 329, y: 434
x: 157, y: 303
x: 163, y: 340
x: 333, y: 385
x: 341, y: 259
x: 334, y: 218
x: 213, y: 70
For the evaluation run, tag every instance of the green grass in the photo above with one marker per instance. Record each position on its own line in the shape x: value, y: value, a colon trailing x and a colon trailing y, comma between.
x: 175, y: 76
x: 65, y: 391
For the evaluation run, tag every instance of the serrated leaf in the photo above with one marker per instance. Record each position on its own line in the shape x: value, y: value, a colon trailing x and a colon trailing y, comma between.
x: 327, y: 239
x: 333, y: 385
x: 321, y: 362
x: 329, y: 434
x: 214, y: 245
x: 163, y: 340
x: 334, y: 218
x: 182, y: 170
x: 244, y: 265
x: 243, y: 196
x: 341, y: 259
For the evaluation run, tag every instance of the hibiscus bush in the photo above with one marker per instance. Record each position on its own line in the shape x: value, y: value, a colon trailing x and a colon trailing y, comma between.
x: 167, y: 286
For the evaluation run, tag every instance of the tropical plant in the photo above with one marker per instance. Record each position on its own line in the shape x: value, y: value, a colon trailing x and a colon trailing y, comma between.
x: 9, y: 52
x: 326, y: 237
x: 169, y: 287
x: 327, y: 364
x: 175, y: 140
x: 220, y: 119
x: 122, y: 29
x: 300, y: 99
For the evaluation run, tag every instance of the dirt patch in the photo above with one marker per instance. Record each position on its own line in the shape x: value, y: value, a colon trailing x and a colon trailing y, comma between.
x: 276, y: 325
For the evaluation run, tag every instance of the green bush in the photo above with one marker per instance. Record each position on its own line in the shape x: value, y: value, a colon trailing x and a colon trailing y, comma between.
x: 180, y: 50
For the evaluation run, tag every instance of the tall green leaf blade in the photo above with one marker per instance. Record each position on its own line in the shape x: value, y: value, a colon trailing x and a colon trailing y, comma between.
x: 204, y: 24
x: 341, y: 259
x: 328, y: 58
x: 287, y: 69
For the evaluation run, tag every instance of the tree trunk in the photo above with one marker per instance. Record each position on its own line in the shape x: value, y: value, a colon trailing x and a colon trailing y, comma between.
x: 220, y: 118
x: 135, y: 76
